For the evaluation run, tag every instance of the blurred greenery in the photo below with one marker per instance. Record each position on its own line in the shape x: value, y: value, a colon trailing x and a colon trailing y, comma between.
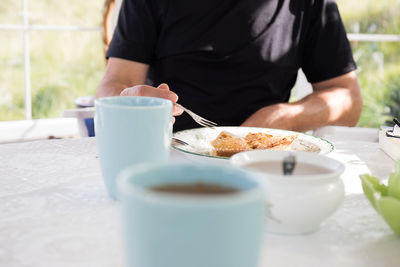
x: 66, y: 65
x: 10, y: 11
x: 378, y: 62
x: 74, y: 12
x: 11, y: 76
x: 73, y: 69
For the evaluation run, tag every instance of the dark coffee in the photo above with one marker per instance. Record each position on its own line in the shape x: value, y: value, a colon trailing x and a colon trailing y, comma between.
x: 195, y: 189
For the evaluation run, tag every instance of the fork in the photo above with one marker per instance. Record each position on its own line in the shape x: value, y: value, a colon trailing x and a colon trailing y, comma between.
x: 200, y: 120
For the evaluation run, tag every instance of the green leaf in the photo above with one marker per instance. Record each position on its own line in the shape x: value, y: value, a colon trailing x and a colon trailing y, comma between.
x: 373, y: 189
x: 385, y: 199
x: 389, y: 208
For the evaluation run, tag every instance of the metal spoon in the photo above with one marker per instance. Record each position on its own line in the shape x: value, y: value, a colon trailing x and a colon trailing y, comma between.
x: 288, y: 165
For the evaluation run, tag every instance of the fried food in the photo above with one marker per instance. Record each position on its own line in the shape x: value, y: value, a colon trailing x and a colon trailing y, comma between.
x: 226, y: 145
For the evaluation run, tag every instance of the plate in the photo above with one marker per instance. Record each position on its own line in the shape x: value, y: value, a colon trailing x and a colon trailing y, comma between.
x: 85, y: 101
x: 200, y: 138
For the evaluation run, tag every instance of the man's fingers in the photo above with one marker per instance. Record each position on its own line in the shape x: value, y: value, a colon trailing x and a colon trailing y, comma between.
x: 146, y: 90
x: 176, y: 111
x: 162, y: 91
x: 163, y: 86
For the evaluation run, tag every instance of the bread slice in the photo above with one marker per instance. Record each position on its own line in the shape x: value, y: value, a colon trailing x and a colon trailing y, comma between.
x: 225, y: 145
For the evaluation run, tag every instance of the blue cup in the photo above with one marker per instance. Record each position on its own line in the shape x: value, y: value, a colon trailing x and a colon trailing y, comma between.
x: 131, y: 130
x: 174, y: 230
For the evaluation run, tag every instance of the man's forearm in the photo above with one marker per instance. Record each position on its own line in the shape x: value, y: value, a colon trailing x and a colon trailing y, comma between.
x: 110, y: 88
x: 331, y: 106
x: 335, y: 101
x: 121, y: 74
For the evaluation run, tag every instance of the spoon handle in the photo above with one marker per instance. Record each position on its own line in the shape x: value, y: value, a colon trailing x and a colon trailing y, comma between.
x: 289, y: 163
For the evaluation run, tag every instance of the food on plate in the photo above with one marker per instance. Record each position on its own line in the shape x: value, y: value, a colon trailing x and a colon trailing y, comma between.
x: 226, y: 144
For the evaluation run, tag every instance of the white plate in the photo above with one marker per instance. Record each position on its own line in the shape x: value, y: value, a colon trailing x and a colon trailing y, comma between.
x: 200, y: 138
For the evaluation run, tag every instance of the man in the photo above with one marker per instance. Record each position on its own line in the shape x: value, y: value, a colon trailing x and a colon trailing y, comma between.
x: 235, y: 61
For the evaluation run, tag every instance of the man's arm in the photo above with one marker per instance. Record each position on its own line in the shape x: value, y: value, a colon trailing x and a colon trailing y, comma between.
x: 335, y: 101
x: 127, y: 78
x: 121, y: 74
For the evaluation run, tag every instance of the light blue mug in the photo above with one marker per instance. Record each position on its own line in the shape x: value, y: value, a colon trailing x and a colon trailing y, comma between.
x: 174, y: 230
x: 131, y: 130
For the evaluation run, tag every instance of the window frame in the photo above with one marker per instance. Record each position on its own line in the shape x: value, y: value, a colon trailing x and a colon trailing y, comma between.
x: 26, y: 28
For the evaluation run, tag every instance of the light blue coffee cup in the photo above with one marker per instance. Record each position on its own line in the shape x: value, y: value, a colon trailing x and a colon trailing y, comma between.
x: 175, y: 230
x: 131, y: 130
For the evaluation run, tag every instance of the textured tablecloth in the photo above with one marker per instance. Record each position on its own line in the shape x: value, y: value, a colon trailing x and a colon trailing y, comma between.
x: 54, y: 211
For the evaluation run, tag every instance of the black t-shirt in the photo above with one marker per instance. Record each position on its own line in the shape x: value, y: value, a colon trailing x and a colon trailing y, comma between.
x: 228, y: 58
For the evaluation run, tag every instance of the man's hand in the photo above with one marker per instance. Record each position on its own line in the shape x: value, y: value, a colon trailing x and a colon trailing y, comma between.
x: 162, y: 91
x: 334, y: 102
x: 126, y: 78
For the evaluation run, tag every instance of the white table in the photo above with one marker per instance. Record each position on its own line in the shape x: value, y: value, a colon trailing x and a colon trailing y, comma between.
x: 54, y: 211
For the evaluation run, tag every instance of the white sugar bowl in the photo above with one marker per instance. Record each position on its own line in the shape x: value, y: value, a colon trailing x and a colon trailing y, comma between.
x: 299, y: 202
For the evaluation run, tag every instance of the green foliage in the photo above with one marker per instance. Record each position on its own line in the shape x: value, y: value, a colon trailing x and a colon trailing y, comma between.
x: 45, y: 100
x: 378, y: 63
x: 71, y: 12
x: 370, y: 16
x: 80, y: 71
x: 64, y: 65
x: 393, y: 106
x: 377, y: 89
x: 394, y: 182
x: 6, y: 14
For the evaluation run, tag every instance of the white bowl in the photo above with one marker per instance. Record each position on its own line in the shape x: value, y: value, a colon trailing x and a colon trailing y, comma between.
x: 300, y: 202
